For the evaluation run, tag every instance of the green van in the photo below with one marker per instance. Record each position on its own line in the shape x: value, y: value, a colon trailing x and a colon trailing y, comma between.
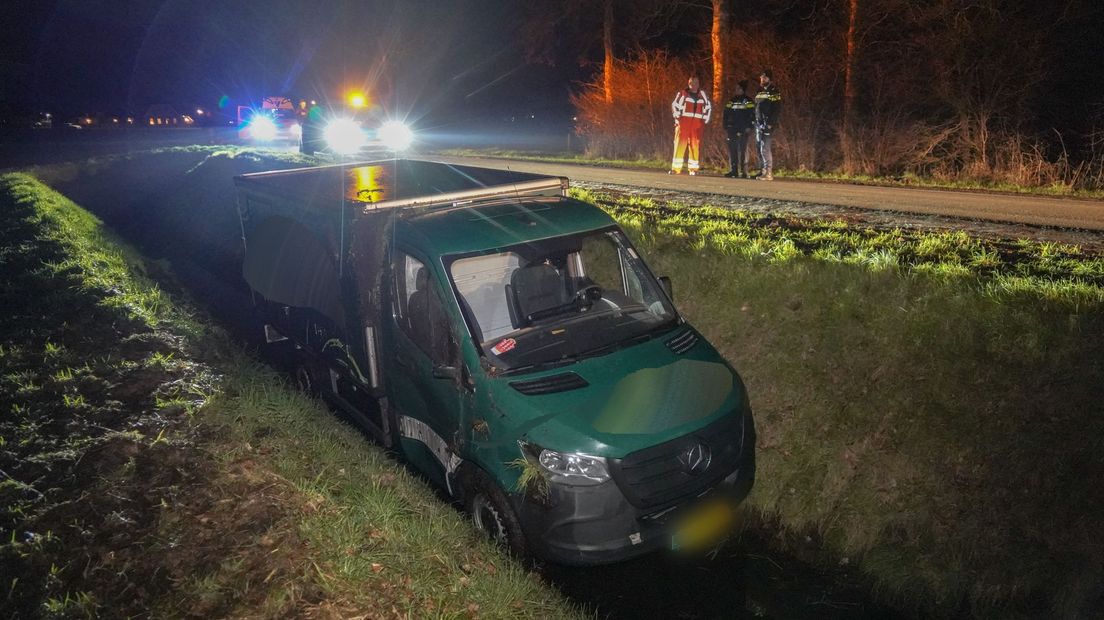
x: 511, y: 344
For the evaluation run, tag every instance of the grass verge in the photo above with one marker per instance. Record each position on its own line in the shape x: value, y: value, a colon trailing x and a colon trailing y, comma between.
x: 1057, y: 273
x: 910, y: 180
x: 149, y: 466
x: 918, y: 413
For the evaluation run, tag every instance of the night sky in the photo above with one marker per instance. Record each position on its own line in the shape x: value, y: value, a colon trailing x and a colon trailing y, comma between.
x: 447, y: 59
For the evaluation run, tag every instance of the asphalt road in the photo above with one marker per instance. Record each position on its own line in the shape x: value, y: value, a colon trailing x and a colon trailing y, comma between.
x: 1021, y: 209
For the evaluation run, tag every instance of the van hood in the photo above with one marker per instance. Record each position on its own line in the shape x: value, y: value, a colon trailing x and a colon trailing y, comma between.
x: 634, y: 397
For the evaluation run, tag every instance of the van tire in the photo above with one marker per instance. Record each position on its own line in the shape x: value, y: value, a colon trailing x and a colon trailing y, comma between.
x: 305, y: 379
x: 493, y: 515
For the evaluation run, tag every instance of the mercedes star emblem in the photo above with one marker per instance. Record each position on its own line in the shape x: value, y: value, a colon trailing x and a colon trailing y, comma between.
x: 696, y: 459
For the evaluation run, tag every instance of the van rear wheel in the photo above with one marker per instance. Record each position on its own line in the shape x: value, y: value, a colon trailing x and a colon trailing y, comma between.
x: 305, y: 379
x: 492, y: 514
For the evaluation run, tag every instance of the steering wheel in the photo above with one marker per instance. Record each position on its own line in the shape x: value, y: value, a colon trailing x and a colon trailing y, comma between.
x: 588, y: 294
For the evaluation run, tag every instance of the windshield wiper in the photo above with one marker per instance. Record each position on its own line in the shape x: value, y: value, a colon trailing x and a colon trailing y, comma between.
x: 595, y: 352
x: 613, y: 346
x: 563, y: 361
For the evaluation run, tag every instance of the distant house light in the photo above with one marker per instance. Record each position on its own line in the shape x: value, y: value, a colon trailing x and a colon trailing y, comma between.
x: 88, y: 120
x: 130, y: 120
x: 199, y: 111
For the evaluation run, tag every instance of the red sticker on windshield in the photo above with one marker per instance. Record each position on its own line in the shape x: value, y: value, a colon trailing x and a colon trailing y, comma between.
x: 504, y: 346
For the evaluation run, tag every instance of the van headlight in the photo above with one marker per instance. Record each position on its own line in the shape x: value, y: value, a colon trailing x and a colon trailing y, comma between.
x: 571, y: 468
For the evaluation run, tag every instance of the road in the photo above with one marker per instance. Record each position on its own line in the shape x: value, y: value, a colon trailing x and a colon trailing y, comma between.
x: 1068, y: 213
x: 1021, y: 209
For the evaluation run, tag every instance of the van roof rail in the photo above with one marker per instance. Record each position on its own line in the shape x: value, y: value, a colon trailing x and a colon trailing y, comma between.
x: 397, y: 183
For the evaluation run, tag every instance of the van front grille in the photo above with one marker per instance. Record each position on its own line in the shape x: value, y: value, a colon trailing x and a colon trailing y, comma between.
x: 665, y: 474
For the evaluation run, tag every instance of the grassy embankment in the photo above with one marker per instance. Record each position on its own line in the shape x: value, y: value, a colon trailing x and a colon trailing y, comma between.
x: 910, y: 180
x: 929, y: 405
x: 148, y: 465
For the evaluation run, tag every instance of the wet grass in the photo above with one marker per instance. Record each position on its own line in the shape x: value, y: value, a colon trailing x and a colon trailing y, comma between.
x: 999, y: 268
x: 151, y: 467
x: 908, y: 180
x: 929, y: 406
x: 913, y: 180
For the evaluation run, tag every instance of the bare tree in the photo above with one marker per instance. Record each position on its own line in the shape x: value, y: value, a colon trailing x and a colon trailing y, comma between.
x: 607, y: 45
x: 550, y: 25
x: 847, y: 127
x: 718, y: 39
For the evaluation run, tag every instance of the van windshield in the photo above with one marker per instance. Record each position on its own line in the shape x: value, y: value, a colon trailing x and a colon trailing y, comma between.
x: 558, y: 300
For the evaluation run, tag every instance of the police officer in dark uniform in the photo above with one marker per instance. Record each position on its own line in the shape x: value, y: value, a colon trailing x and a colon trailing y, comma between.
x: 768, y: 103
x: 739, y: 116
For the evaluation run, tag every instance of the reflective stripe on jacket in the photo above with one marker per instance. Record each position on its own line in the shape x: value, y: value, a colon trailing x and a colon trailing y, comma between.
x: 768, y: 103
x: 691, y: 105
x: 739, y: 114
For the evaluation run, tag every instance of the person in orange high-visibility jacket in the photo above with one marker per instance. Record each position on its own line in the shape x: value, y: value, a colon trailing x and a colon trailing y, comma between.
x: 691, y: 109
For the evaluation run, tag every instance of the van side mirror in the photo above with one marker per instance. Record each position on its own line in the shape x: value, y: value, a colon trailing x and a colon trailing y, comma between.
x: 665, y: 282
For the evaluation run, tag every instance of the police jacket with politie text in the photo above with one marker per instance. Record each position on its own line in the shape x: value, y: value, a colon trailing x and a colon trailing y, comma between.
x: 739, y: 114
x: 768, y: 103
x: 690, y: 104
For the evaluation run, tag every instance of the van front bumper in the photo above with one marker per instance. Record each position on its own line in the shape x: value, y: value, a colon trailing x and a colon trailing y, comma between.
x: 588, y: 525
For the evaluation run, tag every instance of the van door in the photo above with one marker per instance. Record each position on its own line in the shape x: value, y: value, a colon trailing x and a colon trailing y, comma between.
x: 422, y: 345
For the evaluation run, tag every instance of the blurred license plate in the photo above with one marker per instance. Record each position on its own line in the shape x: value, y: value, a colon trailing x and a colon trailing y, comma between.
x: 702, y: 526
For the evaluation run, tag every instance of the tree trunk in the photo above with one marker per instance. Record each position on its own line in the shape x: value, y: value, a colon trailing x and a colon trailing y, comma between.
x: 607, y: 43
x: 718, y: 39
x: 846, y: 137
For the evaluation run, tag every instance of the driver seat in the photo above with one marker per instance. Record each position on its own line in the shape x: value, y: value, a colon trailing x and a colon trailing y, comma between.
x: 537, y: 287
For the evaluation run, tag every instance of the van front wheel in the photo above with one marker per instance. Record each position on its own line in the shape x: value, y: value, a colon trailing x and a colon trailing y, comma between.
x: 492, y: 514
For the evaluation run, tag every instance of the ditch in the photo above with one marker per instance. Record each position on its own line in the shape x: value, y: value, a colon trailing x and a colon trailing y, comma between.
x: 753, y: 575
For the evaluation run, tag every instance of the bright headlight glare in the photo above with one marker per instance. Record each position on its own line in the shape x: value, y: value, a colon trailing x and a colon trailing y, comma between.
x: 262, y: 128
x: 395, y: 135
x: 344, y: 136
x: 574, y: 468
